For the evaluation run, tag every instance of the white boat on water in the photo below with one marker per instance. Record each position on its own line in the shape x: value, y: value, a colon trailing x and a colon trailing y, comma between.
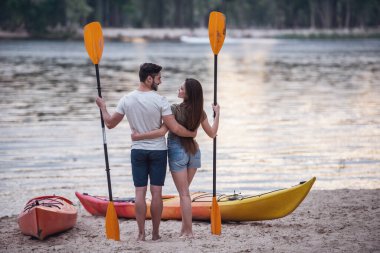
x: 228, y: 40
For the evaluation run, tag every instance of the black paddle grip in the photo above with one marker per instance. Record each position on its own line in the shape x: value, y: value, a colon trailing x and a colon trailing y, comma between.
x: 214, y: 141
x: 104, y: 137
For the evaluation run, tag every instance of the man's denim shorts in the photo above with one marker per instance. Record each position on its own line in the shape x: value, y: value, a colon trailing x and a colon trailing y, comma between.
x: 148, y: 163
x: 179, y: 159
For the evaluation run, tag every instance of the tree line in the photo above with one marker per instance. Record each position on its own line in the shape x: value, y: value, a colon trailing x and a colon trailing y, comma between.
x: 41, y: 17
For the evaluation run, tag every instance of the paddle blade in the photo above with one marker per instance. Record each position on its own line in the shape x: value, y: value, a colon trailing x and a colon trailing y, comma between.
x: 216, y: 218
x: 112, y: 223
x: 93, y: 41
x: 216, y: 30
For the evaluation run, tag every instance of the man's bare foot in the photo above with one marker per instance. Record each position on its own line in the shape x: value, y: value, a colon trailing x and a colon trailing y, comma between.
x: 141, y: 237
x: 156, y: 237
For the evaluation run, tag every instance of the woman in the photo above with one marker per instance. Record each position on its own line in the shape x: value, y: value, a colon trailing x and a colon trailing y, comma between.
x: 183, y: 152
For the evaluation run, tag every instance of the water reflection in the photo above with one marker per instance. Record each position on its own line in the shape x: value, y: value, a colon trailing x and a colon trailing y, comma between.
x: 290, y: 110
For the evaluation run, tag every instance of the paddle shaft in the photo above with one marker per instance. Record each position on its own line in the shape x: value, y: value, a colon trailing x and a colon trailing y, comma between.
x: 104, y: 137
x: 214, y: 141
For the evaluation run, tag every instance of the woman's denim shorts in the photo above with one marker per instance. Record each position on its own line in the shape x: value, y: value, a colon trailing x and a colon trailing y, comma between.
x: 179, y: 159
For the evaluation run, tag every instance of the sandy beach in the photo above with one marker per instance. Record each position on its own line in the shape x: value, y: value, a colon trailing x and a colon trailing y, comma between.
x: 327, y: 221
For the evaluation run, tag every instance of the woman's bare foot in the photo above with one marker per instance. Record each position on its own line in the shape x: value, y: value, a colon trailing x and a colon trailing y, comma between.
x: 156, y: 237
x: 141, y: 237
x: 186, y: 235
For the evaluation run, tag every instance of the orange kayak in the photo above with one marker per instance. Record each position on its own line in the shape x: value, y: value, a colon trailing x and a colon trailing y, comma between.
x: 47, y: 215
x: 235, y: 207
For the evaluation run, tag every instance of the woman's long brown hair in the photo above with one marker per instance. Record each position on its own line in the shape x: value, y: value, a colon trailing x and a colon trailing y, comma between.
x: 192, y: 107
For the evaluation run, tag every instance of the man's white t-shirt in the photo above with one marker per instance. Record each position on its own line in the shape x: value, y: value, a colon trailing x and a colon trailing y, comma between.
x: 144, y: 111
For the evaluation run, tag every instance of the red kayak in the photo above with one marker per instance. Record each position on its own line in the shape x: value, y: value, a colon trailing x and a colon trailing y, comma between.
x: 97, y: 205
x: 47, y: 215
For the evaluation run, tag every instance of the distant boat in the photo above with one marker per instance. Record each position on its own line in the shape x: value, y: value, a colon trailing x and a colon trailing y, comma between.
x: 228, y: 40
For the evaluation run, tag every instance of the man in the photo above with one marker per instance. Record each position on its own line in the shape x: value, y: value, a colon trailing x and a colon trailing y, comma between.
x: 145, y: 110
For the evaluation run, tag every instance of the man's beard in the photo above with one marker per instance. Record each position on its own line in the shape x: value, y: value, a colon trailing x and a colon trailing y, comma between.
x: 154, y: 86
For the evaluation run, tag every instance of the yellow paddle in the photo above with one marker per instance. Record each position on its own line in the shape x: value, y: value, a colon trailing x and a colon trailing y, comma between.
x: 217, y: 33
x: 93, y: 41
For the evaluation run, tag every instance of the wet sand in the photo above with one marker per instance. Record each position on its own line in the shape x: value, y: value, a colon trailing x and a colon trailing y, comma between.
x: 327, y: 221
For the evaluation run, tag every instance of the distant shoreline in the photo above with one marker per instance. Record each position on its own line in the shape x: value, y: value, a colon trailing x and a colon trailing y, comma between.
x: 175, y: 34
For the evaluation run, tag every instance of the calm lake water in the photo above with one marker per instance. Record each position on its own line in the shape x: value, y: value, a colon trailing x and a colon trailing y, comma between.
x: 290, y: 110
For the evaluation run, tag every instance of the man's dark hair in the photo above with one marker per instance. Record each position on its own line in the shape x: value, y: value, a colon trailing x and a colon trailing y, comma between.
x: 148, y: 69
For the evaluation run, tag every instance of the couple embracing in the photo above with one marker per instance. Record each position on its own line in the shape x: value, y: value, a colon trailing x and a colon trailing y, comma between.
x: 150, y: 117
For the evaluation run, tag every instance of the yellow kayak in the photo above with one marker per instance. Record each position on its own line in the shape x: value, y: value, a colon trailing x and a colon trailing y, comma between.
x: 236, y: 207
